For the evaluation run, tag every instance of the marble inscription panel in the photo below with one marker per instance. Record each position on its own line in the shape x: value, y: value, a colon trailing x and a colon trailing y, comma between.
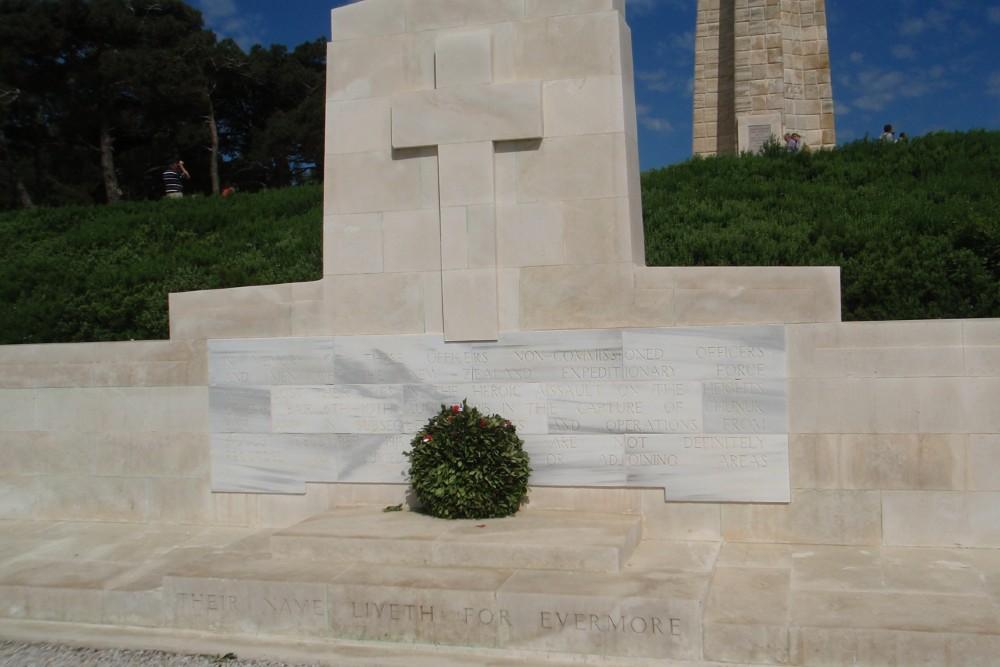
x: 576, y: 460
x: 270, y: 361
x: 700, y: 412
x: 523, y: 404
x: 624, y: 407
x: 240, y: 409
x: 337, y: 409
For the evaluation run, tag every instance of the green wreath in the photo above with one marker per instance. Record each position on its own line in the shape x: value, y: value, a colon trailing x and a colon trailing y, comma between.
x: 466, y: 465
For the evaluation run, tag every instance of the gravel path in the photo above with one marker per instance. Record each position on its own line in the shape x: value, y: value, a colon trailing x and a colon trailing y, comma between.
x: 15, y: 654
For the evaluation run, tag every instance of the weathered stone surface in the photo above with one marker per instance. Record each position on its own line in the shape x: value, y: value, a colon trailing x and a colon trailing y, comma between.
x: 655, y: 616
x: 590, y: 105
x: 465, y: 114
x: 813, y: 516
x: 534, y: 540
x: 544, y: 85
x: 699, y: 412
x: 463, y: 58
x: 761, y: 604
x: 746, y: 615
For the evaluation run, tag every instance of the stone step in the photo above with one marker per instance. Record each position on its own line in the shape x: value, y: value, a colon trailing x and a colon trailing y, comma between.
x: 306, y: 651
x: 645, y: 614
x: 696, y: 604
x: 533, y: 540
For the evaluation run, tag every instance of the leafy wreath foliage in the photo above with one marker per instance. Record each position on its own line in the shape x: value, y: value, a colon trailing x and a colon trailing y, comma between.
x: 467, y: 465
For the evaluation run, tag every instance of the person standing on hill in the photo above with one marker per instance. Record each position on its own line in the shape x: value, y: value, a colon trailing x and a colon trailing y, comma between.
x: 888, y: 135
x: 173, y: 179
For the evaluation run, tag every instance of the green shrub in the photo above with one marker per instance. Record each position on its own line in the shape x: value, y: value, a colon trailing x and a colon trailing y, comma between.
x: 913, y: 226
x: 466, y: 465
x: 103, y: 273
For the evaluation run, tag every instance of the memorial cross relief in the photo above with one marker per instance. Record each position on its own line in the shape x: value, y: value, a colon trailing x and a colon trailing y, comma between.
x: 463, y: 117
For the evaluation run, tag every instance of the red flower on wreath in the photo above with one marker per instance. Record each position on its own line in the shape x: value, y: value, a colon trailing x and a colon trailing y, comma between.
x: 427, y: 438
x: 456, y: 408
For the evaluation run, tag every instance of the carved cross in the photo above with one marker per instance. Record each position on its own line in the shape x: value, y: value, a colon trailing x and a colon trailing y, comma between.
x: 465, y: 114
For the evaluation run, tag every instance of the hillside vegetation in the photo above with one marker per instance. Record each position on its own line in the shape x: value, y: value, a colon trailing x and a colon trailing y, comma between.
x: 915, y: 227
x: 104, y: 273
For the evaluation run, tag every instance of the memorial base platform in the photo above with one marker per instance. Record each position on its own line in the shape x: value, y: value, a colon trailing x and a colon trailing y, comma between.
x: 362, y: 587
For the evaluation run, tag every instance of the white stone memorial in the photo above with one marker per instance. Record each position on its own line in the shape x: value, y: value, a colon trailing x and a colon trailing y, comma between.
x: 470, y: 145
x: 700, y: 413
x: 468, y: 142
x: 723, y: 472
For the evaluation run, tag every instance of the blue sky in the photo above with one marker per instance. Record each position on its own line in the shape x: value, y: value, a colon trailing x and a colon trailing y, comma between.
x: 922, y: 65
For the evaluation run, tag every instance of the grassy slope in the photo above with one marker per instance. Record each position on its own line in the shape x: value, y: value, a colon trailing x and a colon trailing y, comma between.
x: 103, y: 273
x: 916, y: 228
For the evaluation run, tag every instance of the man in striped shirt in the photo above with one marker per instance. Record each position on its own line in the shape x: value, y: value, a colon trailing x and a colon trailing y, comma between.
x: 173, y: 179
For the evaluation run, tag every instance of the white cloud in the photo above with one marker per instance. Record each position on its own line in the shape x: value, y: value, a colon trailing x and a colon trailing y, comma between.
x: 683, y: 41
x: 677, y: 45
x: 226, y: 19
x: 904, y: 52
x: 217, y: 9
x: 932, y: 19
x: 913, y: 26
x: 993, y: 84
x: 875, y: 88
x: 857, y: 57
x: 652, y: 122
x: 658, y: 81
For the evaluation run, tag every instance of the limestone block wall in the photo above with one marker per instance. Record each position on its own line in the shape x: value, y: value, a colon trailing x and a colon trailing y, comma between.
x: 897, y: 434
x: 547, y: 297
x: 895, y: 440
x: 808, y: 101
x: 762, y: 58
x: 118, y: 432
x: 894, y: 426
x: 104, y: 431
x: 468, y: 141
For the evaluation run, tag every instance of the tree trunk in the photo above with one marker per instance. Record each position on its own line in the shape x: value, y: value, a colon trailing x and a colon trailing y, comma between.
x: 23, y: 196
x: 213, y: 131
x: 22, y: 193
x: 282, y: 172
x: 111, y: 188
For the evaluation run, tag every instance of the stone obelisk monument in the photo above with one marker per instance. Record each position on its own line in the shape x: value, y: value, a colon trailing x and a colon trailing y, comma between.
x: 762, y: 68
